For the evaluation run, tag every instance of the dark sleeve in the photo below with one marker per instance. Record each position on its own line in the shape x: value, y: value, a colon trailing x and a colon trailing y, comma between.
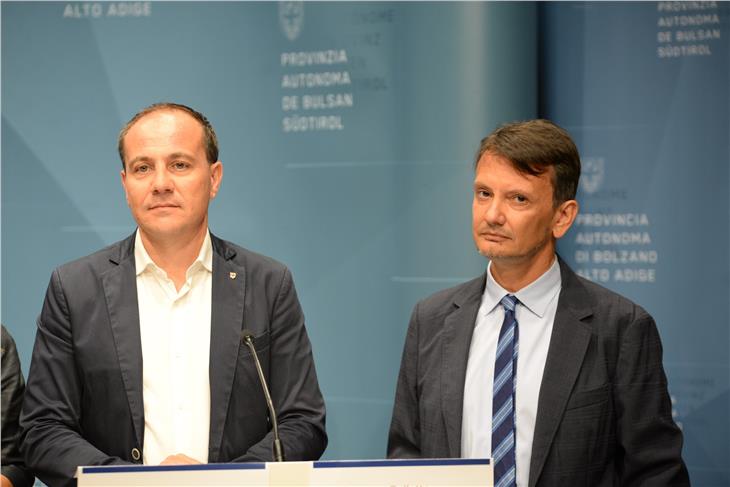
x: 404, y: 438
x: 51, y: 417
x: 13, y: 386
x: 650, y: 441
x: 293, y: 381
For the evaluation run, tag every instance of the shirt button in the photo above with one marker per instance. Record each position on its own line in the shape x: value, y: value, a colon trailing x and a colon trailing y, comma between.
x: 135, y: 454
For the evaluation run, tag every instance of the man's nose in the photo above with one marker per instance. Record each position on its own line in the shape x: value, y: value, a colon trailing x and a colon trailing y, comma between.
x: 494, y: 212
x: 162, y: 182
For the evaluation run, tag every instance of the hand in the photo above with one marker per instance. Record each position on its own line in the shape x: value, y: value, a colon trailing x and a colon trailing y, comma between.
x: 5, y: 482
x: 179, y: 459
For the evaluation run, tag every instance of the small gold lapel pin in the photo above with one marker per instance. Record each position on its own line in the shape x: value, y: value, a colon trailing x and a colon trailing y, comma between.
x: 232, y: 275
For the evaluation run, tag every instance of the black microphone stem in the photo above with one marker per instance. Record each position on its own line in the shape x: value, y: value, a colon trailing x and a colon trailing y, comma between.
x: 278, y: 450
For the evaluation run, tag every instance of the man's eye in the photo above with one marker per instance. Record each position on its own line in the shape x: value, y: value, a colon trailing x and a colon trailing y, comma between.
x: 179, y: 165
x: 142, y: 168
x: 520, y: 198
x: 483, y: 194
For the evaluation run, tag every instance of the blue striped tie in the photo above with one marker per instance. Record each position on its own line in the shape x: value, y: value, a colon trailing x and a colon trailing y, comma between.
x: 503, y: 399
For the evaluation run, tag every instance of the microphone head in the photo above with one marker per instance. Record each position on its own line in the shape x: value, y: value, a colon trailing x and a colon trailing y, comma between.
x: 247, y: 335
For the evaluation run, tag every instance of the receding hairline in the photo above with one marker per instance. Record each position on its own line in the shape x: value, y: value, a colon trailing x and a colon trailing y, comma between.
x: 152, y: 110
x: 160, y: 110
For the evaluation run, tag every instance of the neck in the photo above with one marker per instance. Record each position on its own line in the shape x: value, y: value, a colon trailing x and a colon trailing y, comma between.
x: 174, y: 255
x: 514, y: 276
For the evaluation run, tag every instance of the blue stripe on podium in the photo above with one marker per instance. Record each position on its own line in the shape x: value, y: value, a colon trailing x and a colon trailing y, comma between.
x: 174, y: 468
x: 400, y: 463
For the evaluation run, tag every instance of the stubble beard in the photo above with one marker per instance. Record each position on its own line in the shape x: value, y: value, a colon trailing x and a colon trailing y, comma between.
x: 514, y: 257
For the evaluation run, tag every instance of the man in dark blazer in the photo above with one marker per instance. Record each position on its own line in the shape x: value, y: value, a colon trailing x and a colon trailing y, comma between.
x: 601, y: 413
x: 14, y: 473
x: 90, y: 377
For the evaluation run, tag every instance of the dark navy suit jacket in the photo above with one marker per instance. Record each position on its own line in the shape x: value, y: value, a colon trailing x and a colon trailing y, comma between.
x: 604, y: 414
x: 84, y: 403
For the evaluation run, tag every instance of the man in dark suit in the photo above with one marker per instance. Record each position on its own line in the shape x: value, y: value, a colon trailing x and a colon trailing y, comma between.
x: 138, y: 355
x: 557, y: 379
x: 14, y: 473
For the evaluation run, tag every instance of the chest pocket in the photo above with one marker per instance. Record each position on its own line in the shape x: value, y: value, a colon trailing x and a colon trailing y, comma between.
x: 589, y: 397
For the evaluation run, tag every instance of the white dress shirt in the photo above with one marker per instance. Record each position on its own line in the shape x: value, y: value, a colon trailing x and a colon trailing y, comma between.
x: 175, y: 332
x: 535, y: 315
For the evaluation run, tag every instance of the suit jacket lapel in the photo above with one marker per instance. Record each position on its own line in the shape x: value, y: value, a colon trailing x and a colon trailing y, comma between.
x: 226, y: 323
x: 120, y: 291
x: 457, y: 334
x: 568, y: 345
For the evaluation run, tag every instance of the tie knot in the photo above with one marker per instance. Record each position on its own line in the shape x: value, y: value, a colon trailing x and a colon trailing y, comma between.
x: 509, y: 302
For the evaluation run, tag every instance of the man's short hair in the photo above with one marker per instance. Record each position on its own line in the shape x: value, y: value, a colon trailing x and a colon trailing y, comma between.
x: 532, y: 147
x: 209, y: 138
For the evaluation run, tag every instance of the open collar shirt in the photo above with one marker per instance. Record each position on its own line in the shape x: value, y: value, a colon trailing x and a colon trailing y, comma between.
x: 175, y: 334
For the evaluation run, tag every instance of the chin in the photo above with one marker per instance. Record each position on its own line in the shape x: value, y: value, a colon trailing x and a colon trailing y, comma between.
x: 498, y: 256
x: 161, y: 230
x: 494, y: 252
x: 501, y: 255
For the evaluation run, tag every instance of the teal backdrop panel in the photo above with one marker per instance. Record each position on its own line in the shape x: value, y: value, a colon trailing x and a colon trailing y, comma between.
x: 644, y: 87
x: 347, y: 134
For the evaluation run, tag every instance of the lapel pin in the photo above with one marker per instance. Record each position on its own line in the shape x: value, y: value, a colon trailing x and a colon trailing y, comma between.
x: 232, y: 275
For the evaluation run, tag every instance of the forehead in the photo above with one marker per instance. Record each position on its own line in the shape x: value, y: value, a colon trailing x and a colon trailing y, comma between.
x: 495, y: 169
x: 164, y: 131
x: 165, y: 122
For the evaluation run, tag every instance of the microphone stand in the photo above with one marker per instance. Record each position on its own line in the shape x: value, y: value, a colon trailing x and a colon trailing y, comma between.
x: 278, y: 450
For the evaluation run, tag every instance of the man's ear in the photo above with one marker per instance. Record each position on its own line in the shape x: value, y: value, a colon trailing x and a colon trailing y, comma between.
x: 123, y: 175
x: 216, y: 176
x: 564, y: 217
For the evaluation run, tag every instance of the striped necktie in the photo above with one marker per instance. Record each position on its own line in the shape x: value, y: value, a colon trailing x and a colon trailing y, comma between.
x: 503, y: 398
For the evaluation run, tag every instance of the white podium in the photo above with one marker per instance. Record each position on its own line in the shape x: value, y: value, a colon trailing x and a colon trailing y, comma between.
x: 387, y: 473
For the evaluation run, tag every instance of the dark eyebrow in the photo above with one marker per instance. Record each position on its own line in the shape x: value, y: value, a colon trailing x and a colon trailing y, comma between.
x: 138, y: 159
x: 180, y: 155
x: 174, y: 155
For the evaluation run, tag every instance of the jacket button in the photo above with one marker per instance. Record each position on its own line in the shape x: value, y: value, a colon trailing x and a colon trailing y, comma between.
x: 135, y: 454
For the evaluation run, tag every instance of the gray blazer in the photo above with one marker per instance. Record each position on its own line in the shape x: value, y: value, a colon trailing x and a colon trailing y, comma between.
x: 604, y: 414
x: 84, y: 404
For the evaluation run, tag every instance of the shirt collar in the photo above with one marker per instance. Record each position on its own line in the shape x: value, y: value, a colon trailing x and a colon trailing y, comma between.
x: 143, y: 261
x: 536, y: 296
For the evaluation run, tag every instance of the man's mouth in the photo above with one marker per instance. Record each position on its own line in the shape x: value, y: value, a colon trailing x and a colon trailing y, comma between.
x: 494, y: 237
x: 163, y: 205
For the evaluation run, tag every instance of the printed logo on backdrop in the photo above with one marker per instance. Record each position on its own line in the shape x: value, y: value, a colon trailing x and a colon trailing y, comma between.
x: 317, y: 86
x: 592, y: 172
x: 305, y: 74
x: 688, y: 29
x: 611, y: 245
x: 95, y: 10
x: 291, y: 18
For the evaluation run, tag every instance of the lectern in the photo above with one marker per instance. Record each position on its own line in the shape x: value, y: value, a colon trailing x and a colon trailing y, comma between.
x: 390, y: 473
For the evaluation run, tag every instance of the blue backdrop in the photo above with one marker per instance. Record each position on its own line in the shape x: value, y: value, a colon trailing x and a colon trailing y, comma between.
x: 347, y: 134
x: 368, y: 204
x: 645, y: 90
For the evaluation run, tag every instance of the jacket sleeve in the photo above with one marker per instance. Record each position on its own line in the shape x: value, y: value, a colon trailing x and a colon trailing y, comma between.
x: 404, y: 438
x: 51, y: 416
x: 13, y: 385
x: 293, y: 381
x: 650, y: 441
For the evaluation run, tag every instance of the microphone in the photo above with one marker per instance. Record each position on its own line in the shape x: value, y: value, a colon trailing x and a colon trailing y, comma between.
x: 278, y: 450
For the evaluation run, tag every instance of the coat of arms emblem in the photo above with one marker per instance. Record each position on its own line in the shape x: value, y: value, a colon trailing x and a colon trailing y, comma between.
x: 592, y: 172
x: 291, y: 18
